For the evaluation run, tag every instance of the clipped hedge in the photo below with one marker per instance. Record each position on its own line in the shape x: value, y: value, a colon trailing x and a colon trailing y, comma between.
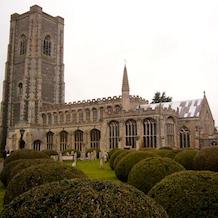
x: 112, y: 151
x: 127, y: 162
x: 119, y: 157
x: 146, y: 173
x: 37, y: 175
x: 206, y: 159
x: 188, y: 194
x: 83, y: 198
x: 50, y: 152
x: 185, y: 158
x: 166, y: 152
x: 14, y: 167
x: 25, y: 154
x: 113, y: 157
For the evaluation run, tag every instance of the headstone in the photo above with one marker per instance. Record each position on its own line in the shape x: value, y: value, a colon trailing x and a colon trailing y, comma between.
x: 89, y: 156
x: 83, y: 155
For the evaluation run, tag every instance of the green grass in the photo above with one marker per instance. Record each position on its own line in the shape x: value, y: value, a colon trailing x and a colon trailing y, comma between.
x: 92, y: 169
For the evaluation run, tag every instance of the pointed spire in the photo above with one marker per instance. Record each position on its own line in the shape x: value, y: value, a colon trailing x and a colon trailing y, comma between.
x: 125, y: 85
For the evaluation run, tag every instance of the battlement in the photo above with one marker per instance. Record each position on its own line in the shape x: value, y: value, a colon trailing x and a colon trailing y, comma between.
x: 97, y: 101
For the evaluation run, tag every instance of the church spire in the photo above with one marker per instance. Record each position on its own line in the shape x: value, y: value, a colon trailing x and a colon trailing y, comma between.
x: 125, y: 85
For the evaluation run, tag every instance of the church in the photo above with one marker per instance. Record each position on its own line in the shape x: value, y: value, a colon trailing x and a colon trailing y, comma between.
x: 33, y: 108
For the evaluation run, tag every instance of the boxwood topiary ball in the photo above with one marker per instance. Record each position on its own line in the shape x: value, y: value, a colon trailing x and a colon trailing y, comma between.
x: 119, y: 157
x: 83, y: 198
x: 185, y: 158
x: 113, y: 157
x: 146, y: 173
x: 37, y: 175
x: 188, y: 194
x: 206, y: 159
x: 127, y: 162
x: 25, y: 154
x: 14, y: 167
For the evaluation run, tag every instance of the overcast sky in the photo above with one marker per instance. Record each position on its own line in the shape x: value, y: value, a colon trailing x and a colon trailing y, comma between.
x: 169, y: 45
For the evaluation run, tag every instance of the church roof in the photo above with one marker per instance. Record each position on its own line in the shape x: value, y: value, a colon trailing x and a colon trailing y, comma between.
x: 186, y: 109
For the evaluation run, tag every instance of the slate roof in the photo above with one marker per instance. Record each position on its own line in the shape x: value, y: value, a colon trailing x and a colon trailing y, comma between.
x: 189, y: 108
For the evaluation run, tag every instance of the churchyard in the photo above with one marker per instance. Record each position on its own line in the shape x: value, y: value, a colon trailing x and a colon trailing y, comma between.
x: 145, y: 183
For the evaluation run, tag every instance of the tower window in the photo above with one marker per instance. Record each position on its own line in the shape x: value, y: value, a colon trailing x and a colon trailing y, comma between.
x: 20, y: 89
x: 47, y: 46
x: 23, y: 44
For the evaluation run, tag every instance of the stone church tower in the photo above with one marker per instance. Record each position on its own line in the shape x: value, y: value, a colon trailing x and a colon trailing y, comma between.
x: 34, y: 72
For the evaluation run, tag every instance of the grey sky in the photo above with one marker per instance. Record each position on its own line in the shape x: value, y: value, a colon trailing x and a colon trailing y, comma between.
x: 169, y: 45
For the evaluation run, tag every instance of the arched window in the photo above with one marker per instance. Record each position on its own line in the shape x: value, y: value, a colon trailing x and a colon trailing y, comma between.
x: 109, y: 109
x: 117, y: 109
x: 80, y: 116
x: 95, y: 114
x: 20, y: 89
x: 67, y: 115
x: 131, y: 133
x: 49, y: 119
x: 170, y: 132
x: 78, y: 140
x: 61, y: 117
x: 150, y: 133
x: 95, y: 138
x: 55, y: 118
x: 37, y: 145
x: 63, y: 140
x: 44, y: 120
x: 23, y: 44
x: 50, y: 140
x: 87, y: 115
x: 47, y: 46
x: 184, y: 138
x: 113, y: 134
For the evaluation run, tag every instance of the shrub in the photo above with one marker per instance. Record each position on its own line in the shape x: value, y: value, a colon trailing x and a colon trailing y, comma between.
x: 112, y: 151
x: 89, y: 150
x: 113, y: 157
x: 127, y: 162
x: 170, y: 153
x: 72, y: 150
x: 14, y: 167
x: 206, y: 159
x: 37, y: 175
x: 50, y: 152
x: 146, y: 173
x: 83, y: 198
x: 188, y: 194
x: 165, y: 148
x: 185, y: 158
x: 120, y: 156
x: 25, y: 154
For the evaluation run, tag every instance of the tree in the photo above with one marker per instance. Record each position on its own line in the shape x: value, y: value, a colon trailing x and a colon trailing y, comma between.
x: 158, y: 98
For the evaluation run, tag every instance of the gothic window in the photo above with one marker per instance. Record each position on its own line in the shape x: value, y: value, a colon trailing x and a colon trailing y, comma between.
x: 20, y: 89
x: 37, y: 145
x: 47, y: 46
x: 87, y: 115
x: 80, y: 116
x: 131, y: 133
x: 63, y: 140
x: 50, y: 140
x: 184, y: 137
x: 49, y: 119
x: 113, y: 134
x: 78, y: 140
x: 117, y: 109
x: 55, y: 118
x: 170, y: 132
x: 101, y: 113
x: 74, y: 117
x: 109, y: 109
x: 61, y: 117
x: 23, y: 44
x: 44, y: 120
x: 67, y: 114
x: 150, y: 133
x: 95, y: 114
x: 95, y: 138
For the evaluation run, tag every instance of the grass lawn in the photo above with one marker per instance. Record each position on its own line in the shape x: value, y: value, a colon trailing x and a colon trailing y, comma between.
x: 92, y: 169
